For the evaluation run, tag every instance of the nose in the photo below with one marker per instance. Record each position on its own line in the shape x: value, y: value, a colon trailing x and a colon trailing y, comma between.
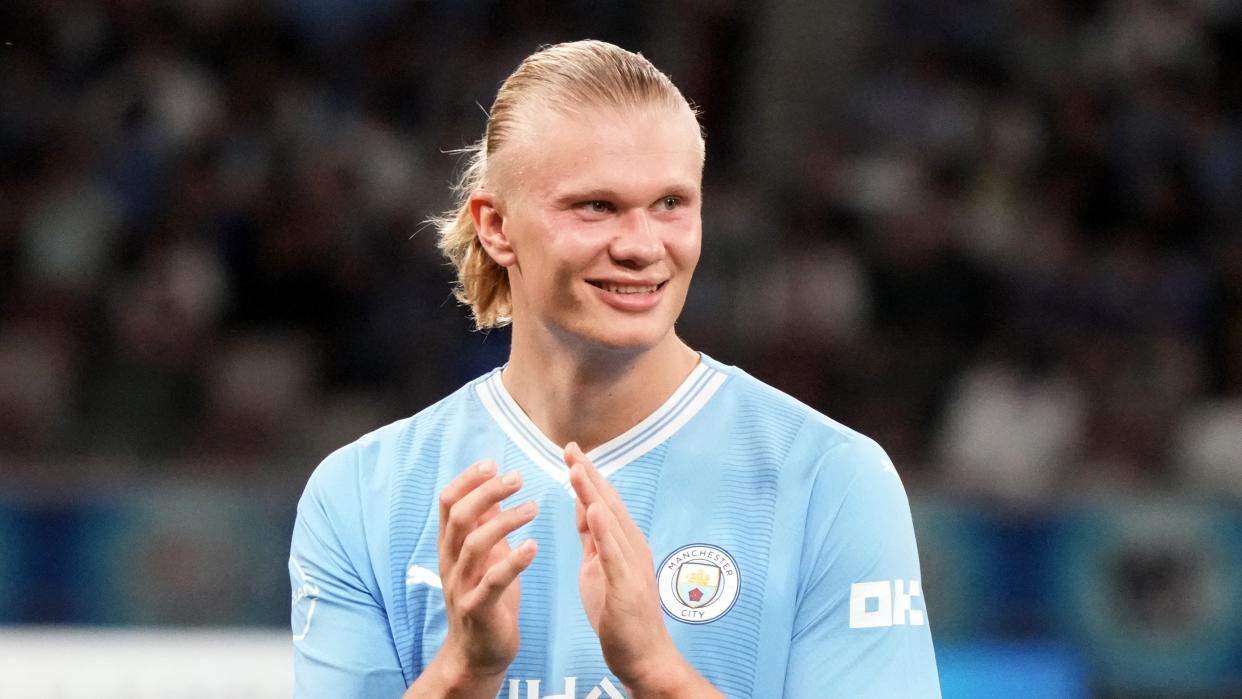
x: 637, y: 242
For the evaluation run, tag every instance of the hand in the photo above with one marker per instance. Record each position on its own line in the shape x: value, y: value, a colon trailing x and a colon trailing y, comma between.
x: 480, y: 573
x: 619, y: 593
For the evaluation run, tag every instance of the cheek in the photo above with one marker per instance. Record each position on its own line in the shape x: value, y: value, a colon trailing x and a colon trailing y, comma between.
x: 685, y: 247
x: 571, y: 238
x: 576, y: 252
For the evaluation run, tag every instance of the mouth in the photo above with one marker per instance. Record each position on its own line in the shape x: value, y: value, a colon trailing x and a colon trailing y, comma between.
x: 627, y: 289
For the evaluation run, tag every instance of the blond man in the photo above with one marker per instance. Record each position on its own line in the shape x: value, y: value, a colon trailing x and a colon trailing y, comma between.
x: 611, y: 513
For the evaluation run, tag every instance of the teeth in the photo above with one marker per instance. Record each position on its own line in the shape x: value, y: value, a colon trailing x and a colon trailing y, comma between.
x: 623, y: 289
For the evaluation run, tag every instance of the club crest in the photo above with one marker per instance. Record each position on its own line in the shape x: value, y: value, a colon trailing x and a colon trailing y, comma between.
x: 698, y: 583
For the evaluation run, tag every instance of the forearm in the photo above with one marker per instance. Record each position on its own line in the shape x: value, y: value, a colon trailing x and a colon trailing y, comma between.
x: 446, y: 679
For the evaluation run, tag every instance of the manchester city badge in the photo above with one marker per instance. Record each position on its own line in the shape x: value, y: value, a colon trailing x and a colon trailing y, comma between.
x: 698, y: 583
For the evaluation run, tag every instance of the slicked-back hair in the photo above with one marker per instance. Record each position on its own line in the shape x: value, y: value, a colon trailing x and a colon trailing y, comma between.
x: 564, y: 77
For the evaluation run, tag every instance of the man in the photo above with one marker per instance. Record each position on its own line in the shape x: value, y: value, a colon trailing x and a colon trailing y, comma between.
x: 505, y: 541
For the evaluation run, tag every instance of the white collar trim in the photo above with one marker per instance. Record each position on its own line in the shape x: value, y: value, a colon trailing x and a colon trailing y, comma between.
x: 686, y: 402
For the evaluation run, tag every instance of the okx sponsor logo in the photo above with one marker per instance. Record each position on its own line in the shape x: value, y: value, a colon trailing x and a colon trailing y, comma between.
x: 886, y: 603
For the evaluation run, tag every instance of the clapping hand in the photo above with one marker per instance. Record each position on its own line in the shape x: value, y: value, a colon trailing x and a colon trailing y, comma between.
x: 618, y: 588
x: 479, y: 572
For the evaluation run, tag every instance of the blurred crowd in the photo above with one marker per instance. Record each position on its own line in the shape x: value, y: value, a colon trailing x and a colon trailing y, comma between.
x: 1002, y: 238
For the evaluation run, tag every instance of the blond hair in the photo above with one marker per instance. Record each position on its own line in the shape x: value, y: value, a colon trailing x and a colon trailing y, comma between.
x: 563, y: 77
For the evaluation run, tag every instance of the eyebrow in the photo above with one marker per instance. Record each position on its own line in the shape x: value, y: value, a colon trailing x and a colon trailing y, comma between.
x: 574, y: 196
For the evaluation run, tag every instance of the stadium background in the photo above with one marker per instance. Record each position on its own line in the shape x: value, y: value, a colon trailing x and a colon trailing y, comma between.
x: 1002, y: 238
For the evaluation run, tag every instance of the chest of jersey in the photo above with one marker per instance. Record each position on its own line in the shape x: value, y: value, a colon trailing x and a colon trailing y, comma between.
x: 711, y: 527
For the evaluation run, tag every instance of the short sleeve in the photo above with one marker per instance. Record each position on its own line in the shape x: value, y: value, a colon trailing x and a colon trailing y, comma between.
x: 861, y: 627
x: 342, y: 642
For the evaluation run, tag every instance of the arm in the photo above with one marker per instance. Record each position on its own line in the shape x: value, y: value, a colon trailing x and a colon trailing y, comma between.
x: 619, y: 593
x: 342, y: 642
x: 861, y: 623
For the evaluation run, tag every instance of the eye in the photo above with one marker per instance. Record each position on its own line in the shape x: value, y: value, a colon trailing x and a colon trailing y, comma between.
x: 670, y: 203
x: 597, y: 206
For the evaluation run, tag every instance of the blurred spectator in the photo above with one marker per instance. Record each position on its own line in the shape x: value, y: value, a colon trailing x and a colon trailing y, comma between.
x: 1208, y: 449
x: 997, y: 237
x: 38, y: 365
x: 1012, y: 436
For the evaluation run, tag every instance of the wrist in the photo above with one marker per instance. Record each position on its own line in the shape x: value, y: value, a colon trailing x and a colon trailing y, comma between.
x: 667, y: 675
x: 451, y: 675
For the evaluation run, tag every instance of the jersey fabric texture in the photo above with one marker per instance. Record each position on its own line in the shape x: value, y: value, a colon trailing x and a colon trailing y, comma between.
x: 787, y: 558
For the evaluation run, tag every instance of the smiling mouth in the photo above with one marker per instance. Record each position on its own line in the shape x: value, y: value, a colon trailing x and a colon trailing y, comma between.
x: 628, y: 288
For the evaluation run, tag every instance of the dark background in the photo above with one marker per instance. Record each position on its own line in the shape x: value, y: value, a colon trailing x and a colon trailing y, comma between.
x: 1002, y: 238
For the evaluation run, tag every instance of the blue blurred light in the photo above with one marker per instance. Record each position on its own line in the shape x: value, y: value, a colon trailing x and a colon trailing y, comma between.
x: 981, y: 670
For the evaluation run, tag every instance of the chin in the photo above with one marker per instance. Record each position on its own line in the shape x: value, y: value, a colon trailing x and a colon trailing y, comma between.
x: 624, y: 338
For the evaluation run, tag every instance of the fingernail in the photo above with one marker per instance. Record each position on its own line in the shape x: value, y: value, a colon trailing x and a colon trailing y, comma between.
x: 510, y: 478
x: 527, y: 507
x: 487, y: 467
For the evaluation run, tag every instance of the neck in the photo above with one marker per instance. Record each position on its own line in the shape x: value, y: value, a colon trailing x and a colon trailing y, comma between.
x: 589, y: 395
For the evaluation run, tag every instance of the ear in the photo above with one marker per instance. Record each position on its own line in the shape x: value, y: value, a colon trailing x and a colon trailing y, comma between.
x: 485, y: 209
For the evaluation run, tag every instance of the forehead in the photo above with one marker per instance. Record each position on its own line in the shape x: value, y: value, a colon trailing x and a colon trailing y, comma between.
x: 646, y: 146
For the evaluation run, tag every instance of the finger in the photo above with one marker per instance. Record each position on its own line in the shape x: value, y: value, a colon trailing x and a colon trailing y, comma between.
x: 594, y: 500
x: 489, y: 514
x: 449, y: 560
x: 605, y: 489
x: 463, y: 516
x: 581, y: 484
x: 501, y: 574
x: 584, y: 530
x: 574, y: 455
x: 588, y: 493
x: 631, y: 535
x: 580, y: 516
x: 580, y: 468
x: 591, y: 487
x: 479, y: 544
x: 570, y: 455
x: 605, y: 530
x: 465, y: 482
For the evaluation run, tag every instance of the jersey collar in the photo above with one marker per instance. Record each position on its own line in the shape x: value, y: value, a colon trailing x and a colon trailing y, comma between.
x: 689, y: 398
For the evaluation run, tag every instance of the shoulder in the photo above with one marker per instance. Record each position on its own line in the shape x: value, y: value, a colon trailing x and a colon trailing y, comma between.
x: 819, y: 442
x: 345, y: 515
x: 365, y: 467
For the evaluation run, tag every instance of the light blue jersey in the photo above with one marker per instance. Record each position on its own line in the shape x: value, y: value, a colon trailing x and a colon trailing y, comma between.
x: 786, y: 559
